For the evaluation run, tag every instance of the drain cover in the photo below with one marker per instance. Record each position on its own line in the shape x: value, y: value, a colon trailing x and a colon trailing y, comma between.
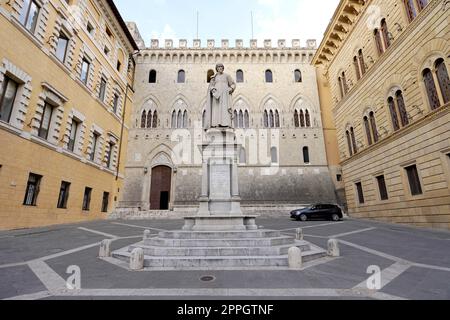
x: 207, y: 278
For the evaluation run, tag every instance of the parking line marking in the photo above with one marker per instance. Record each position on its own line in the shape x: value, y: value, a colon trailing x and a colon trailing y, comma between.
x: 135, y: 226
x: 99, y: 233
x: 49, y: 278
x: 315, y: 226
x: 352, y: 232
x: 374, y: 252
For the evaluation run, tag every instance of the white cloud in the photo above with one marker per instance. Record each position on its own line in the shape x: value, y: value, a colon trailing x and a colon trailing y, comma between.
x: 167, y: 33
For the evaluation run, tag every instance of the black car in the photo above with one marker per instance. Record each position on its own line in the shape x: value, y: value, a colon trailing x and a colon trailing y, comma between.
x: 318, y: 211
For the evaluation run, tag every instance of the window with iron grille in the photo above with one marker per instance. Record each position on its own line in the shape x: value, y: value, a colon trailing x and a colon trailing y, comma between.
x: 32, y: 190
x: 87, y: 199
x: 63, y: 195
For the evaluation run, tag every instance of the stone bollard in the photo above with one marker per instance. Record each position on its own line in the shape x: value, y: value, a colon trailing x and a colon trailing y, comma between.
x: 295, y: 258
x: 105, y: 249
x: 333, y: 248
x: 147, y: 234
x: 299, y: 234
x: 137, y: 259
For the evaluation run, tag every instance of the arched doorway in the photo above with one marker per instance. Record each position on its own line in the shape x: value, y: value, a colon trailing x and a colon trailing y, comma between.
x: 160, y: 188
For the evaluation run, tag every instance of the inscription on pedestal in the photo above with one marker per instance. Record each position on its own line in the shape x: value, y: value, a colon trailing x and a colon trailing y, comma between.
x: 220, y: 181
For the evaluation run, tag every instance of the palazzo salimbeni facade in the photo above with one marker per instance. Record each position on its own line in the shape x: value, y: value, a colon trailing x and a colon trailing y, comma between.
x: 288, y: 157
x: 65, y: 103
x: 387, y: 65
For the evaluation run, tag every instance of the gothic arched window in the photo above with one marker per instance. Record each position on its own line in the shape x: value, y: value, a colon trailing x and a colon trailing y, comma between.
x: 341, y: 87
x: 296, y: 119
x: 349, y: 143
x: 277, y: 119
x: 354, y: 145
x: 181, y: 76
x: 402, y: 108
x: 356, y: 65
x: 174, y: 120
x: 302, y: 119
x: 298, y: 76
x: 378, y: 41
x: 266, y: 119
x: 271, y: 119
x: 443, y: 79
x: 430, y: 86
x: 362, y: 63
x: 152, y: 76
x: 269, y: 76
x: 185, y: 119
x: 239, y: 76
x: 410, y: 9
x: 179, y: 120
x: 368, y: 131
x: 247, y: 120
x: 143, y: 119
x: 236, y: 119
x: 308, y: 119
x: 241, y: 119
x: 149, y: 119
x: 386, y: 35
x: 344, y: 82
x: 394, y: 115
x: 155, y: 119
x: 373, y: 125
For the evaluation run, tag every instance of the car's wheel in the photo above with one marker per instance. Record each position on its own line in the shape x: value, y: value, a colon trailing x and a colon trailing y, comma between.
x: 303, y: 217
x: 335, y: 217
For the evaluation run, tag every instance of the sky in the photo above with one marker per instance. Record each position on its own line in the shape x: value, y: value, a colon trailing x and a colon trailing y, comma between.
x: 229, y: 19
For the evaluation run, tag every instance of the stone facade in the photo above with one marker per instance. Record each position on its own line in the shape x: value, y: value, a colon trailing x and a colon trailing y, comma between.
x: 172, y: 82
x: 377, y: 56
x: 44, y: 59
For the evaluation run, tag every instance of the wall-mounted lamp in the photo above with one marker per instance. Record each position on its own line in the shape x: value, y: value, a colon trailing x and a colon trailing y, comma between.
x: 145, y: 170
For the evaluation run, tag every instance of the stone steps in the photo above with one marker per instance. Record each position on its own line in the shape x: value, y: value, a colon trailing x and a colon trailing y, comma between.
x: 219, y: 251
x: 219, y: 234
x: 227, y: 242
x: 202, y: 262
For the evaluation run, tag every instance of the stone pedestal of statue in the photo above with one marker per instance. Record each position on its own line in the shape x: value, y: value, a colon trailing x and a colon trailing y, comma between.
x: 220, y: 202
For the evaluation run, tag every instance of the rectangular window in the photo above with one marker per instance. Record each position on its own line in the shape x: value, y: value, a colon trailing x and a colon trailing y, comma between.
x: 63, y: 195
x: 7, y: 97
x: 115, y: 103
x: 87, y: 199
x: 61, y: 49
x: 73, y: 135
x: 105, y: 202
x: 29, y: 15
x: 359, y: 189
x: 102, y: 91
x: 109, y: 155
x: 85, y: 66
x: 414, y: 180
x: 94, y: 146
x: 339, y: 177
x: 32, y: 191
x: 382, y: 187
x: 90, y: 29
x: 46, y: 121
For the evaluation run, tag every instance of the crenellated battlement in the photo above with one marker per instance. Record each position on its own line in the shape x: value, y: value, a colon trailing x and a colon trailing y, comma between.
x: 225, y: 44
